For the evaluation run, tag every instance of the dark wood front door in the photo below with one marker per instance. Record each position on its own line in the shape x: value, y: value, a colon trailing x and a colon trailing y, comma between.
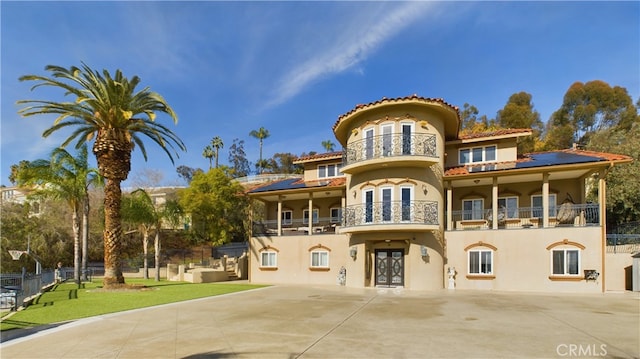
x: 390, y: 267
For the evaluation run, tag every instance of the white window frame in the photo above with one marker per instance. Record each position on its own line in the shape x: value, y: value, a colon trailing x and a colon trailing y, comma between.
x: 387, y: 140
x: 566, y: 270
x: 368, y: 150
x: 338, y: 218
x: 319, y: 255
x: 329, y: 170
x: 510, y: 211
x: 305, y: 216
x: 287, y: 217
x: 474, y: 211
x: 269, y: 259
x: 365, y: 218
x: 553, y: 205
x: 481, y: 262
x: 472, y: 151
x: 411, y: 126
x: 390, y: 204
x: 411, y: 201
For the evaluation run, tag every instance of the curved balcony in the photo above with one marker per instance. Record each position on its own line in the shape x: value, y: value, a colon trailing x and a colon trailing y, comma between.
x: 393, y: 150
x: 390, y: 216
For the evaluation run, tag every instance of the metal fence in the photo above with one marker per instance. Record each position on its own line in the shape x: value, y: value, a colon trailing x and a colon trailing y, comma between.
x: 16, y: 287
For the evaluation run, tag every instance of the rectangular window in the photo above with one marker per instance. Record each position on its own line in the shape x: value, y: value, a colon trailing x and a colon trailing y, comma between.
x: 368, y: 206
x: 336, y: 215
x: 480, y: 262
x: 478, y: 154
x: 368, y: 143
x: 319, y: 259
x: 490, y: 153
x: 565, y: 261
x: 407, y: 130
x: 305, y: 216
x: 331, y: 170
x: 405, y: 193
x: 472, y: 209
x: 386, y: 204
x: 286, y: 217
x: 536, y: 205
x: 387, y: 140
x: 268, y: 259
x: 322, y: 171
x: 508, y: 205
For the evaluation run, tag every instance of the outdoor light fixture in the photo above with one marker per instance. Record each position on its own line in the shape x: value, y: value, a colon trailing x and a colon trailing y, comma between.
x: 424, y: 188
x: 423, y: 252
x: 353, y: 252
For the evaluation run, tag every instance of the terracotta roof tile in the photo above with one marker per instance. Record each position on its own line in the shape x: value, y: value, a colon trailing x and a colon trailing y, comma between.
x: 500, y: 132
x: 319, y: 156
x: 397, y: 99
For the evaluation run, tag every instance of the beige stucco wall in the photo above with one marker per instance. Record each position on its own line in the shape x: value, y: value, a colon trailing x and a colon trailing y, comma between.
x: 615, y: 273
x: 293, y: 259
x: 506, y: 150
x: 522, y: 261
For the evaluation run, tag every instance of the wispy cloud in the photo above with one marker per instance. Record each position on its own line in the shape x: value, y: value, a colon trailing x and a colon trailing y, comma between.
x: 349, y: 49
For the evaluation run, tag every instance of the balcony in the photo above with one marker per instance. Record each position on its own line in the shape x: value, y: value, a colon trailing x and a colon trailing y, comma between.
x: 394, y: 150
x: 296, y: 227
x: 566, y: 215
x: 391, y: 216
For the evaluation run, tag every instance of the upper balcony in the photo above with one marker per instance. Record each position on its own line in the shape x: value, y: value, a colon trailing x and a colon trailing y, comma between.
x: 390, y: 150
x: 390, y: 216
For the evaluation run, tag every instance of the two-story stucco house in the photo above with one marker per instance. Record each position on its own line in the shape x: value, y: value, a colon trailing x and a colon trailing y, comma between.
x: 410, y: 202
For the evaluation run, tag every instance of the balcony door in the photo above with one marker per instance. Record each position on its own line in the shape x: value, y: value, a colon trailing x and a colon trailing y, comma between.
x: 390, y: 267
x: 368, y: 144
x: 407, y: 131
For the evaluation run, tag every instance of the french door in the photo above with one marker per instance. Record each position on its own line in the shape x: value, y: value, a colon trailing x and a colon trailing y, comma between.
x: 390, y: 267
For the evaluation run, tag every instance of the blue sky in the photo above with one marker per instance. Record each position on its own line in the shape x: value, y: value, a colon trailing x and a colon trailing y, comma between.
x: 293, y: 67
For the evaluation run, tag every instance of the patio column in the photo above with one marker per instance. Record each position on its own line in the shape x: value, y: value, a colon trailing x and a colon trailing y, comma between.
x: 494, y: 203
x: 545, y: 200
x: 602, y: 202
x: 279, y: 215
x: 449, y: 206
x: 310, y: 213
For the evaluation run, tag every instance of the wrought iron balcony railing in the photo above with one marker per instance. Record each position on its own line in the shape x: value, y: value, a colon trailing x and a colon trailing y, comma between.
x: 391, y: 145
x: 391, y: 212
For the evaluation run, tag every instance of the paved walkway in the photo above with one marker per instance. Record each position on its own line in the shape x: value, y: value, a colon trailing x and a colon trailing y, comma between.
x: 338, y: 322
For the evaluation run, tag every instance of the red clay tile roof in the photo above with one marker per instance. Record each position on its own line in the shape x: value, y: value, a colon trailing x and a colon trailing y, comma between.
x: 319, y: 156
x: 397, y: 99
x: 500, y: 132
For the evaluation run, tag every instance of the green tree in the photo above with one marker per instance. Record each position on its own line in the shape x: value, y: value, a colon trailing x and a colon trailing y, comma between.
x: 240, y: 166
x: 217, y: 144
x: 471, y: 123
x: 587, y: 108
x: 186, y: 172
x: 217, y: 206
x: 328, y: 145
x: 518, y: 112
x: 260, y: 134
x: 106, y: 108
x: 65, y: 178
x: 138, y: 210
x: 209, y: 154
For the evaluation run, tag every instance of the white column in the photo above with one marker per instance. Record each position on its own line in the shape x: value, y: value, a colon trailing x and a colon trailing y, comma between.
x: 310, y: 213
x: 545, y: 200
x: 494, y: 203
x: 449, y: 207
x: 602, y: 202
x: 280, y: 215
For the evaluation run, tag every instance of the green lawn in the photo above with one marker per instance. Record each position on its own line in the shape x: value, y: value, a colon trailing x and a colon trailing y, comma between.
x: 66, y: 302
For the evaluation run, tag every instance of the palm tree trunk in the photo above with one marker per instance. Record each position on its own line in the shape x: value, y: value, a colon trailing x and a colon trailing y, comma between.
x: 85, y: 236
x: 75, y: 218
x: 112, y: 234
x: 156, y: 247
x: 145, y: 253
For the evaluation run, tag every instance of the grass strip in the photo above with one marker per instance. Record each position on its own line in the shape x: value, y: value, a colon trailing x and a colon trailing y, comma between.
x: 67, y: 302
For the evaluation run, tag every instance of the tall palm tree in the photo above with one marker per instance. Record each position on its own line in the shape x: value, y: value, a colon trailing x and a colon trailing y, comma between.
x: 260, y: 134
x: 328, y: 145
x: 67, y: 178
x: 105, y: 108
x: 208, y: 153
x: 217, y: 144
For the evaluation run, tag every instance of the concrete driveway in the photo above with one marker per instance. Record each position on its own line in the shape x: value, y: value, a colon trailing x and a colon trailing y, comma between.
x: 338, y: 322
